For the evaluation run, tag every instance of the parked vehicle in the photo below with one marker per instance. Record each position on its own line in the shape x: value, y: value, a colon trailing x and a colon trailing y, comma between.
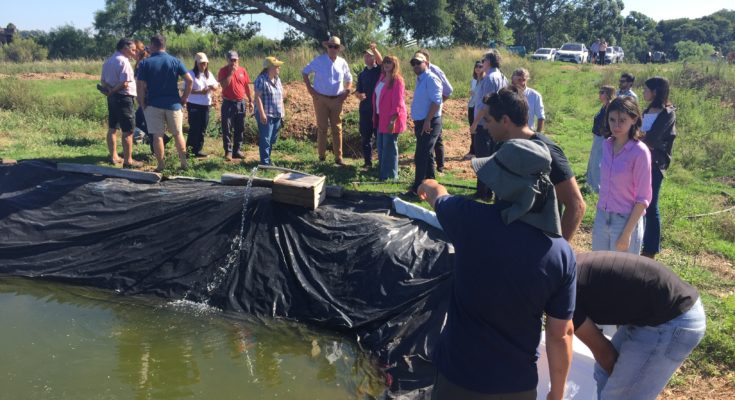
x: 621, y: 53
x: 611, y: 56
x: 519, y: 50
x: 544, y: 54
x: 659, y: 57
x: 573, y: 52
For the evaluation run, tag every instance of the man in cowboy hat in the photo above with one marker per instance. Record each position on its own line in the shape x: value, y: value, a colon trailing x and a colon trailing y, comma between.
x: 511, y: 266
x: 332, y: 84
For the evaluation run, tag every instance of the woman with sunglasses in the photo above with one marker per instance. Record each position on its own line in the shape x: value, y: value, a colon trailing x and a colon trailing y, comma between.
x: 389, y: 115
x: 477, y: 74
x: 599, y: 133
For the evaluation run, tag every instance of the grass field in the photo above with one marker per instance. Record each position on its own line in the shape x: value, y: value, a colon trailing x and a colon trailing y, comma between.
x: 63, y: 120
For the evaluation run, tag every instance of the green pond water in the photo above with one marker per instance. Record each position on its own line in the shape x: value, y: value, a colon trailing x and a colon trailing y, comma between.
x: 67, y: 342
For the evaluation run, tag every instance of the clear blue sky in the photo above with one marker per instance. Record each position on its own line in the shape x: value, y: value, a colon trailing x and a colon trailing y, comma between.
x: 48, y: 14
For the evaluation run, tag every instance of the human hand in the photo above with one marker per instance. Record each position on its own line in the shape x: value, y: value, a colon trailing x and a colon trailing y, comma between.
x: 184, y: 100
x: 373, y: 46
x: 263, y: 118
x: 623, y: 243
x: 360, y: 96
x: 427, y: 126
x: 391, y: 125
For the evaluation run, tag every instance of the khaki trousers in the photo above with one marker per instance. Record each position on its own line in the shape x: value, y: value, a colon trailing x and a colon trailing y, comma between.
x: 328, y: 112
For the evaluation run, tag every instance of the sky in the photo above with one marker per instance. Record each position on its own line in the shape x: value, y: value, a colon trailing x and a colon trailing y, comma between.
x: 48, y: 14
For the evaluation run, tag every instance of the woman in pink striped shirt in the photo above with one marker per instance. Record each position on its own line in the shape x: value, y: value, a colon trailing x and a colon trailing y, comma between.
x: 625, y: 181
x: 389, y: 116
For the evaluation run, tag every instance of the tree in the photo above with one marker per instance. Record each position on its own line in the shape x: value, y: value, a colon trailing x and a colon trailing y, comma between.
x: 68, y: 42
x: 422, y: 20
x: 640, y: 36
x: 114, y: 20
x: 477, y: 22
x: 687, y: 49
x: 534, y: 18
x: 317, y: 19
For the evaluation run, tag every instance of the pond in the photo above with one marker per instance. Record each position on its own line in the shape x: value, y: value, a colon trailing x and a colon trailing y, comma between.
x: 68, y: 342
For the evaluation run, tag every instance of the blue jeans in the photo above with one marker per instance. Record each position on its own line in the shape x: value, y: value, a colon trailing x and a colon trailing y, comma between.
x: 607, y: 229
x: 267, y: 136
x: 649, y: 355
x: 388, y: 155
x: 593, y: 165
x: 652, y: 234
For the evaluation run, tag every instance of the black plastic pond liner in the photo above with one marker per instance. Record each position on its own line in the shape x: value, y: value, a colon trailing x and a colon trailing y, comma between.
x: 349, y: 266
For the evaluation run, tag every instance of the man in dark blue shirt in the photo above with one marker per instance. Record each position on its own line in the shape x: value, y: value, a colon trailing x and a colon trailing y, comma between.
x: 366, y: 82
x: 158, y: 96
x: 512, y: 266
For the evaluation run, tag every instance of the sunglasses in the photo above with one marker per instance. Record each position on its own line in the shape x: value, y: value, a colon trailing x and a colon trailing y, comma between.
x: 416, y: 62
x: 333, y: 46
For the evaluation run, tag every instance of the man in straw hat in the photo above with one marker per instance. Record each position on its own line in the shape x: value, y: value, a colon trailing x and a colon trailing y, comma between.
x: 511, y: 266
x: 332, y: 84
x: 506, y: 117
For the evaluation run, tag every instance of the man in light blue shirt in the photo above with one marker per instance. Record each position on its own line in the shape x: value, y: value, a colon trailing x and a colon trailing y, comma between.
x: 493, y: 81
x: 625, y: 85
x: 332, y: 84
x: 426, y: 114
x: 447, y: 91
x: 536, y: 114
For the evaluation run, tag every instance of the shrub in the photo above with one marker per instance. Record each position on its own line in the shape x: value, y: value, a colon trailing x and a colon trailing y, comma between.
x: 23, y: 50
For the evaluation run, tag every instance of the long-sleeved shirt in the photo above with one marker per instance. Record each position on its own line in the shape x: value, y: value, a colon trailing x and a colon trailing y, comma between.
x: 625, y: 178
x: 535, y: 107
x: 428, y: 90
x: 447, y: 88
x: 491, y: 83
x: 116, y: 70
x: 329, y: 76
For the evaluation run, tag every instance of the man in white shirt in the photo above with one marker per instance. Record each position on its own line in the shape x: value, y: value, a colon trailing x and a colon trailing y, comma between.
x: 117, y: 82
x: 625, y: 86
x: 536, y: 115
x: 332, y: 84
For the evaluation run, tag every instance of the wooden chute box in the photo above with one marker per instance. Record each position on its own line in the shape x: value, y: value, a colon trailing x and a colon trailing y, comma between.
x: 299, y: 189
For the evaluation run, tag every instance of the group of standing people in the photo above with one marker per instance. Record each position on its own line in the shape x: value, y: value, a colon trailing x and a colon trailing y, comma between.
x: 155, y: 85
x: 598, y: 49
x: 630, y: 153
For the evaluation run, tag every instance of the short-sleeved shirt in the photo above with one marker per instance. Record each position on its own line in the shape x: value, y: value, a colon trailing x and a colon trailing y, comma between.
x: 271, y: 95
x: 161, y: 73
x: 560, y: 168
x: 491, y: 83
x: 473, y: 87
x: 625, y: 178
x: 447, y: 88
x: 535, y: 107
x: 200, y: 83
x: 505, y: 278
x: 239, y: 87
x: 329, y: 76
x: 615, y: 288
x: 366, y: 81
x: 428, y: 91
x: 117, y: 70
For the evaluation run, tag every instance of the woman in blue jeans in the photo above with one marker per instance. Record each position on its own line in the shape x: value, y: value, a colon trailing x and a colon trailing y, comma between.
x: 660, y: 318
x: 659, y: 127
x: 269, y: 111
x: 389, y: 115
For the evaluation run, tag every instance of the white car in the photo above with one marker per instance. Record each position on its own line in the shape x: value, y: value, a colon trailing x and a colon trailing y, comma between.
x: 573, y: 52
x: 621, y: 53
x: 544, y: 54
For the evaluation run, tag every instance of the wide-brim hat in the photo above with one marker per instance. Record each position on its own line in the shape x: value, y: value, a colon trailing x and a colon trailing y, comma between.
x: 518, y: 173
x: 333, y: 40
x: 272, y: 62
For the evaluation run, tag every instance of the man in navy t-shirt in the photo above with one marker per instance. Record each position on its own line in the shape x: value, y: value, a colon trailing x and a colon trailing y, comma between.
x: 158, y: 96
x: 512, y: 266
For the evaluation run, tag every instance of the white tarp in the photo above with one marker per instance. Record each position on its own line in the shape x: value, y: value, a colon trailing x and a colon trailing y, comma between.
x: 580, y: 384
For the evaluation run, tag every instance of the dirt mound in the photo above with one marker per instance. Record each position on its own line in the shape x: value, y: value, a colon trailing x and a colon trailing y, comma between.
x: 35, y: 76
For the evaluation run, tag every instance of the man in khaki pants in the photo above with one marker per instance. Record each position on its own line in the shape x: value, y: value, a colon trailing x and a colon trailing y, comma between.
x: 332, y: 84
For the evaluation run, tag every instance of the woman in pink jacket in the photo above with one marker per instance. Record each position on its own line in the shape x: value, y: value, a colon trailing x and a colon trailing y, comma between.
x: 389, y: 116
